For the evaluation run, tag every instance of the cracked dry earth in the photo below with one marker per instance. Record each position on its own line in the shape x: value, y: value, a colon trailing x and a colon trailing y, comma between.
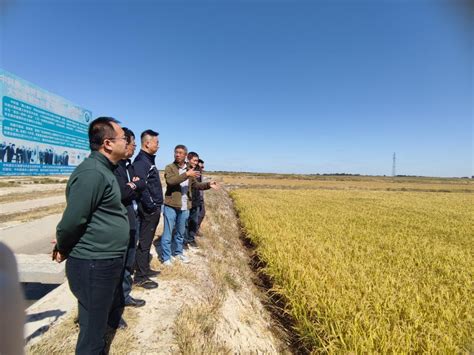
x: 209, y: 306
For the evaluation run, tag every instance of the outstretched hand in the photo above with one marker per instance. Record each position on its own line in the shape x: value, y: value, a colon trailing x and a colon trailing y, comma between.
x: 214, y: 185
x: 193, y: 173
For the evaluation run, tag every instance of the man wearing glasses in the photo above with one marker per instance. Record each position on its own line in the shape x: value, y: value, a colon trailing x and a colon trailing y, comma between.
x: 93, y: 235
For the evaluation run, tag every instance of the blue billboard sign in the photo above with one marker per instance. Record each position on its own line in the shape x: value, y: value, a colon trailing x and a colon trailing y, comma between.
x: 40, y: 133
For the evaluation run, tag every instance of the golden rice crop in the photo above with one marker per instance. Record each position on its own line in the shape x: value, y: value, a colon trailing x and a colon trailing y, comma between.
x: 368, y: 271
x: 353, y: 183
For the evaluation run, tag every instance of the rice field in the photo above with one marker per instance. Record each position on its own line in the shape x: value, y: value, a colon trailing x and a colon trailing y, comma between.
x: 368, y: 271
x: 351, y: 183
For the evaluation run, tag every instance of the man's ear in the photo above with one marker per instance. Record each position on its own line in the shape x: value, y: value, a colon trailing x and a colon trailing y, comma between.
x: 107, y: 145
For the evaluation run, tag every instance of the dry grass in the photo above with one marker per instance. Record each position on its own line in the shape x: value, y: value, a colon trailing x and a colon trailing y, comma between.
x: 195, y: 326
x: 25, y: 196
x: 368, y: 271
x: 228, y: 263
x: 10, y: 183
x: 229, y: 273
x: 25, y: 180
x: 177, y: 272
x: 17, y: 182
x: 32, y: 214
x: 126, y: 341
x: 62, y: 338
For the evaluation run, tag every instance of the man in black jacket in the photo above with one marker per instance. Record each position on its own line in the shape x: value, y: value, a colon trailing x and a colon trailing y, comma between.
x: 150, y: 207
x: 131, y: 188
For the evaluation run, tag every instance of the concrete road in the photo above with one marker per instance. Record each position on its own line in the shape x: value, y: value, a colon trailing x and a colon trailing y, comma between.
x: 33, y: 237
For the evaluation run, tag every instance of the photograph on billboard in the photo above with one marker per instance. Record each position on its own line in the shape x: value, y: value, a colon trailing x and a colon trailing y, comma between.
x: 40, y: 133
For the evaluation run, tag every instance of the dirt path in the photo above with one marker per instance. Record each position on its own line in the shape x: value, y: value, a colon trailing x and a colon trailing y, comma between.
x: 21, y: 206
x: 206, y: 307
x: 30, y: 190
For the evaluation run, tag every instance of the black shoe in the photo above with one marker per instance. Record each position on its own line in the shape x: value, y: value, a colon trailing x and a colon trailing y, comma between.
x: 134, y: 302
x: 122, y: 324
x: 152, y: 273
x: 193, y: 245
x: 147, y: 284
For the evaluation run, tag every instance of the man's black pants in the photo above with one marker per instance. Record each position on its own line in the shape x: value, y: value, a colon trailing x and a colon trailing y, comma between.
x: 97, y: 286
x: 129, y: 265
x: 192, y: 224
x: 148, y: 224
x: 202, y: 214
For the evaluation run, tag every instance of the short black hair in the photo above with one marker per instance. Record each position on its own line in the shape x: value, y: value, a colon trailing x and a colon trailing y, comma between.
x: 128, y: 134
x: 181, y: 146
x: 99, y: 129
x: 148, y: 132
x: 201, y: 161
x: 192, y: 155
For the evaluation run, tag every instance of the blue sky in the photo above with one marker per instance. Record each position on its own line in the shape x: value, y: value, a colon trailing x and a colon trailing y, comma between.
x: 268, y: 86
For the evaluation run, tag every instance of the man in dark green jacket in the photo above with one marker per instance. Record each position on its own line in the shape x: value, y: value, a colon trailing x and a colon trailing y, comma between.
x: 93, y: 235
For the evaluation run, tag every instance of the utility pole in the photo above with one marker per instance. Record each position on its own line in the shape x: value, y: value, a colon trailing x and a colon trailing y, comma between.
x: 394, y: 165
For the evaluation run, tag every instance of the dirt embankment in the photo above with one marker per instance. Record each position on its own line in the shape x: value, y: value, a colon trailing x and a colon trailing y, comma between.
x: 206, y: 307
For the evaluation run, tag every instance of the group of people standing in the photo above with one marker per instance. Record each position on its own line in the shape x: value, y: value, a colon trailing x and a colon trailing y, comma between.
x: 108, y: 226
x: 11, y: 153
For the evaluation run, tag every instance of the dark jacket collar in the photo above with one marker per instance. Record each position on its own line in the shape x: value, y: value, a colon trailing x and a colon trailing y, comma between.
x: 124, y: 162
x: 150, y: 157
x: 103, y: 160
